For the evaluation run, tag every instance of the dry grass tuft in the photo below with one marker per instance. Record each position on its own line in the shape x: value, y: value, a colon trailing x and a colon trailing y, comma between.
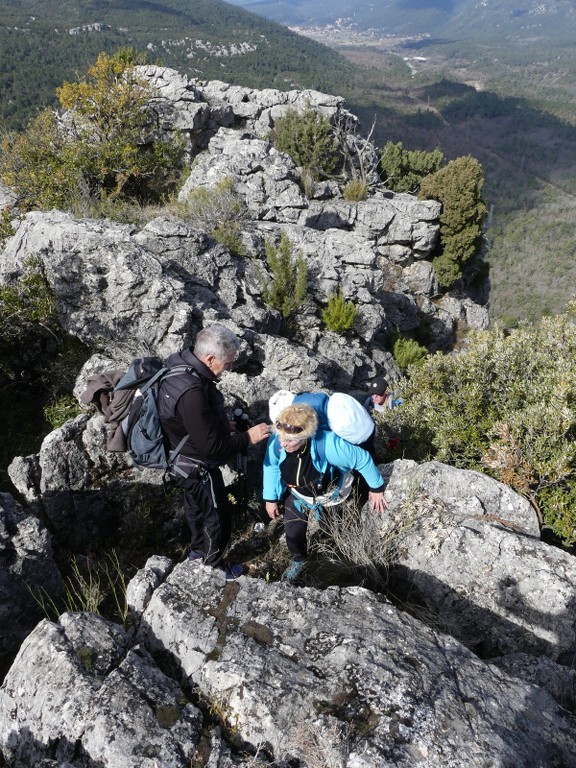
x: 322, y: 745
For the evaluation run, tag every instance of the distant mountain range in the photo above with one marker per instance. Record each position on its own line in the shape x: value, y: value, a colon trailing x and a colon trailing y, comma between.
x: 523, y: 19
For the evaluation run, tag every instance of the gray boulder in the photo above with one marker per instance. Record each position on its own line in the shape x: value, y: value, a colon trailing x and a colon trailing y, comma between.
x: 84, y: 696
x: 265, y: 179
x: 83, y: 490
x: 557, y: 679
x: 472, y: 554
x: 105, y: 284
x: 297, y: 674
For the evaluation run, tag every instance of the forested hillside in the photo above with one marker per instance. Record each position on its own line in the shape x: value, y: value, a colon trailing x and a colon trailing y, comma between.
x: 513, y: 108
x: 44, y: 42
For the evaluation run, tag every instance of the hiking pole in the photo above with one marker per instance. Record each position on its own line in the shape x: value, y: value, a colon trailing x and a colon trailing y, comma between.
x: 242, y: 421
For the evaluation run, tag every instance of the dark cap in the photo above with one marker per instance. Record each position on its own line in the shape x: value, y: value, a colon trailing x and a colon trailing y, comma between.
x: 378, y: 386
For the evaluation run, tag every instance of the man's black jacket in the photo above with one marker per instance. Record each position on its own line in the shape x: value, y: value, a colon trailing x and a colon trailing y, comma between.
x: 197, y: 411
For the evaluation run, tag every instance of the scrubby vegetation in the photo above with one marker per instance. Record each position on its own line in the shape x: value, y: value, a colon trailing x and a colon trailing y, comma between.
x: 339, y: 315
x: 356, y: 190
x: 61, y: 410
x: 288, y: 289
x: 309, y: 139
x: 6, y: 228
x: 507, y: 406
x: 403, y: 169
x: 458, y: 186
x: 97, y: 151
x: 27, y: 309
x: 407, y: 352
x: 218, y: 210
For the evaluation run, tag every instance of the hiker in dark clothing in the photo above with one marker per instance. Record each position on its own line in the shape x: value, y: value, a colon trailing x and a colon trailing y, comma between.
x: 380, y: 399
x: 192, y: 404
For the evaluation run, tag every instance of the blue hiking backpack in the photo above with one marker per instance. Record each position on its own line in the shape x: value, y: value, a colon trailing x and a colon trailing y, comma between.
x: 142, y: 426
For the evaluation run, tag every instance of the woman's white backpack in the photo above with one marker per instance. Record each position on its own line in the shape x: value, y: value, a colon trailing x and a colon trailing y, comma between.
x: 348, y: 418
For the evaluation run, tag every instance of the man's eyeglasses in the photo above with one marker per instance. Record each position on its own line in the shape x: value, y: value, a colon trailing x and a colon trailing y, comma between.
x: 290, y: 429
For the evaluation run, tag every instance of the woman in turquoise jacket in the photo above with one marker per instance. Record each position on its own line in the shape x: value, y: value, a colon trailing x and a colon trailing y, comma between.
x: 307, y: 469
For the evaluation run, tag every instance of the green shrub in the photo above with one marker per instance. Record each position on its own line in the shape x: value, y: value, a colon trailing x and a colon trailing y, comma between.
x: 231, y: 236
x: 508, y: 407
x: 288, y: 288
x: 404, y: 169
x: 6, y: 228
x: 309, y: 139
x: 40, y: 165
x: 458, y: 186
x: 63, y: 409
x: 218, y: 210
x: 407, y: 352
x: 356, y: 190
x: 340, y: 315
x: 100, y: 151
x: 30, y: 301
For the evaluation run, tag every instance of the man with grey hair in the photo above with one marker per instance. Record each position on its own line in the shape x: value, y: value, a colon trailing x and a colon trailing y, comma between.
x: 191, y: 405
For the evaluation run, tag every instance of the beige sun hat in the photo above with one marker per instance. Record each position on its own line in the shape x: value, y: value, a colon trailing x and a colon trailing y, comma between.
x: 296, y: 422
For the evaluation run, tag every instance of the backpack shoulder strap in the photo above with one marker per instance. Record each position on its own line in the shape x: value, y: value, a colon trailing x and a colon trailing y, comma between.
x: 151, y: 381
x: 172, y: 385
x: 184, y: 384
x: 321, y: 445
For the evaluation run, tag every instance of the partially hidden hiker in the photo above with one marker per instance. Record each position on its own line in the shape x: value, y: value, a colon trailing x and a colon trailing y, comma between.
x: 308, y: 470
x: 192, y: 405
x: 380, y: 397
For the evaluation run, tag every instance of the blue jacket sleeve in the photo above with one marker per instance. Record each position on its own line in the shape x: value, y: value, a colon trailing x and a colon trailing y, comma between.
x: 273, y: 485
x: 346, y: 456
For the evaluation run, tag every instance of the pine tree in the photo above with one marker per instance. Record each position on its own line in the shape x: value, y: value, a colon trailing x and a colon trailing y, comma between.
x: 458, y: 186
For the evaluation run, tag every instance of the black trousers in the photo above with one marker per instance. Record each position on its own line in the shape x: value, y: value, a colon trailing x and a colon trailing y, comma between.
x: 296, y: 527
x: 208, y: 513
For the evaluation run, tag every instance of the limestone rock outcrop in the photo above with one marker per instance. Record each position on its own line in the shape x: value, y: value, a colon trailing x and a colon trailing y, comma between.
x: 471, y: 552
x: 293, y: 673
x: 29, y: 578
